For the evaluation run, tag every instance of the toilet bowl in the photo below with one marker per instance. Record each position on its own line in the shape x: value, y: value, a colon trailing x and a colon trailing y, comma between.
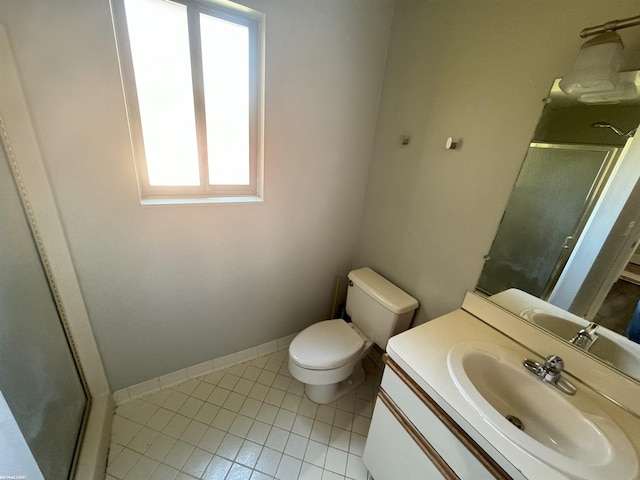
x: 323, y: 355
x: 326, y: 356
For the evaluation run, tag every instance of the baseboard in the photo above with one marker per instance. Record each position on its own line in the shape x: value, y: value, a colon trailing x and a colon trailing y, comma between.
x: 179, y: 376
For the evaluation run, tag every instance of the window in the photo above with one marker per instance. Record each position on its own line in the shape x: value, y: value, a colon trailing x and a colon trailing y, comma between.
x: 192, y: 75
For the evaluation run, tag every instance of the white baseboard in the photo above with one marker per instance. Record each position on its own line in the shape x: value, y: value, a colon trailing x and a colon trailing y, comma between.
x: 173, y: 378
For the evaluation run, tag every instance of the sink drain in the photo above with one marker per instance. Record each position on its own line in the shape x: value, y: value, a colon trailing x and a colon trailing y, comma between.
x: 516, y: 421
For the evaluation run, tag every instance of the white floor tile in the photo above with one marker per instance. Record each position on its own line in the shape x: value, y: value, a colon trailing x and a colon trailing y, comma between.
x: 321, y: 432
x: 284, y: 419
x: 336, y: 461
x: 126, y: 432
x: 187, y: 387
x: 190, y: 407
x: 197, y: 462
x: 310, y: 472
x: 291, y: 402
x: 277, y: 439
x: 243, y: 387
x: 248, y: 421
x: 355, y: 468
x: 223, y: 419
x: 176, y: 426
x: 267, y: 413
x: 160, y: 447
x: 230, y: 446
x: 178, y: 455
x: 234, y: 402
x: 266, y: 378
x: 268, y: 461
x: 325, y: 414
x: 143, y: 439
x: 281, y: 382
x: 160, y: 419
x: 340, y: 439
x: 259, y: 391
x: 144, y: 412
x: 250, y: 407
x: 316, y: 453
x: 302, y: 426
x: 239, y: 472
x: 164, y: 472
x: 228, y: 381
x: 207, y: 413
x: 356, y: 444
x: 219, y: 396
x: 296, y: 446
x: 213, y: 378
x: 249, y: 454
x: 217, y: 469
x: 124, y: 462
x: 241, y: 426
x: 194, y: 432
x: 211, y: 440
x: 202, y: 391
x: 251, y: 373
x: 289, y: 468
x: 275, y: 397
x: 308, y: 408
x: 114, y: 450
x: 260, y: 476
x: 175, y: 401
x: 142, y: 470
x: 329, y: 475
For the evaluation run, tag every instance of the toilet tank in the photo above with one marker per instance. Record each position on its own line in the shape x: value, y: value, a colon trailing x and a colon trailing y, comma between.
x: 378, y: 307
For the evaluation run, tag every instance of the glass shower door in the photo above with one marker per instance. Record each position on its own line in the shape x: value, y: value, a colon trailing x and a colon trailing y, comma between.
x: 553, y: 196
x: 38, y: 375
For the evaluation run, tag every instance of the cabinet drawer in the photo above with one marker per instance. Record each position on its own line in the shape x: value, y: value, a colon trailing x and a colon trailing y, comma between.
x: 392, y: 453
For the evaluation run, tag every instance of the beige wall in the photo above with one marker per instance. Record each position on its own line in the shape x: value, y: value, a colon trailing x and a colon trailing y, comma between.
x: 169, y: 287
x: 478, y: 71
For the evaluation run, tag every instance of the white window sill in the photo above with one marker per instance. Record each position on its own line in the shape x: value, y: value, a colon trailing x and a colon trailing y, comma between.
x: 199, y: 200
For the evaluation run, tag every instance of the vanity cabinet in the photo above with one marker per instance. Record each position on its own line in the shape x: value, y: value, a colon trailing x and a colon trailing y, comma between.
x: 412, y: 438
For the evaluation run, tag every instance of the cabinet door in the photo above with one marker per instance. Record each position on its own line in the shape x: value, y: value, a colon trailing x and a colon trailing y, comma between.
x: 391, y: 453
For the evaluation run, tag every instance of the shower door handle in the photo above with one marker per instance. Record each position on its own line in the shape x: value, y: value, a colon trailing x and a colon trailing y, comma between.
x: 567, y: 242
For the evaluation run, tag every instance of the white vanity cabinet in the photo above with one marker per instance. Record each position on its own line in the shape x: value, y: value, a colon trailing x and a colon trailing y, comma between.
x: 412, y: 438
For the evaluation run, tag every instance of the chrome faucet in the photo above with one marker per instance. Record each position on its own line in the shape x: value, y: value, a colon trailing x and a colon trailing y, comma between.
x: 551, y: 372
x: 586, y: 337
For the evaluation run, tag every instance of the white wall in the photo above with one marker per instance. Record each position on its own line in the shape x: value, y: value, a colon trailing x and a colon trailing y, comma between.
x: 475, y: 70
x: 169, y: 287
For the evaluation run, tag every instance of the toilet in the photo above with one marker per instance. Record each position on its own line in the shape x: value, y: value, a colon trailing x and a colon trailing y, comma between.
x: 327, y: 356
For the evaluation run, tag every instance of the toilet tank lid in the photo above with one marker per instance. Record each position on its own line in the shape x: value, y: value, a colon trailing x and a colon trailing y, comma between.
x: 392, y: 297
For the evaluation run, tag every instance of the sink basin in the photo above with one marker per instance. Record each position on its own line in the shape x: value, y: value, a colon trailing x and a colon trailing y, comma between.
x: 570, y: 433
x: 610, y: 347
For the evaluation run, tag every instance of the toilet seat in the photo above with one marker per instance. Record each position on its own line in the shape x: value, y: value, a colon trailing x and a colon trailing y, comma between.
x: 326, y: 345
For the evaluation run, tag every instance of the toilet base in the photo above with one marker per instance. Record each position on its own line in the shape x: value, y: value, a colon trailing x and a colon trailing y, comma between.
x: 330, y: 393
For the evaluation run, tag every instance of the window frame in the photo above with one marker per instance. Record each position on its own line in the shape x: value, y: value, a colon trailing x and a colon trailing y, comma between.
x: 205, y: 192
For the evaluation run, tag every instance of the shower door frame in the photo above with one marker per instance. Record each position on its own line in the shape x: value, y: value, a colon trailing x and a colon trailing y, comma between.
x: 92, y: 447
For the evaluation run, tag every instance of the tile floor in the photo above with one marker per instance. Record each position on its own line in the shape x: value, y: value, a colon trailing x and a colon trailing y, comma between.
x: 249, y: 421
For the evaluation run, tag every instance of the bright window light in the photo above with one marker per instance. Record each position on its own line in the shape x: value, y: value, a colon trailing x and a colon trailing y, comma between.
x: 192, y: 73
x: 225, y: 62
x: 159, y: 41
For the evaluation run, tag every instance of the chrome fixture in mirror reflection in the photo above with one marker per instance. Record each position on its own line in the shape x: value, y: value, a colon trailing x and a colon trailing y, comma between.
x: 573, y: 220
x: 616, y: 130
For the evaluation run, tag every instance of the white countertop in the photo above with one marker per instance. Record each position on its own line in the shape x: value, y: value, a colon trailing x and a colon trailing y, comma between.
x: 422, y: 353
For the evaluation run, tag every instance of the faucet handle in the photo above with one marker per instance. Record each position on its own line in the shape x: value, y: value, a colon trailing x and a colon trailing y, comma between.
x: 553, y: 365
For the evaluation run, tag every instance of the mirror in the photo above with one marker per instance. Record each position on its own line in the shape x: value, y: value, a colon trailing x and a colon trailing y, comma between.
x: 571, y: 227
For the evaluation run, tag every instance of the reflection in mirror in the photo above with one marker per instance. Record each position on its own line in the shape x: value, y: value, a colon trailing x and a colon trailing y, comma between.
x: 603, y: 343
x: 572, y: 225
